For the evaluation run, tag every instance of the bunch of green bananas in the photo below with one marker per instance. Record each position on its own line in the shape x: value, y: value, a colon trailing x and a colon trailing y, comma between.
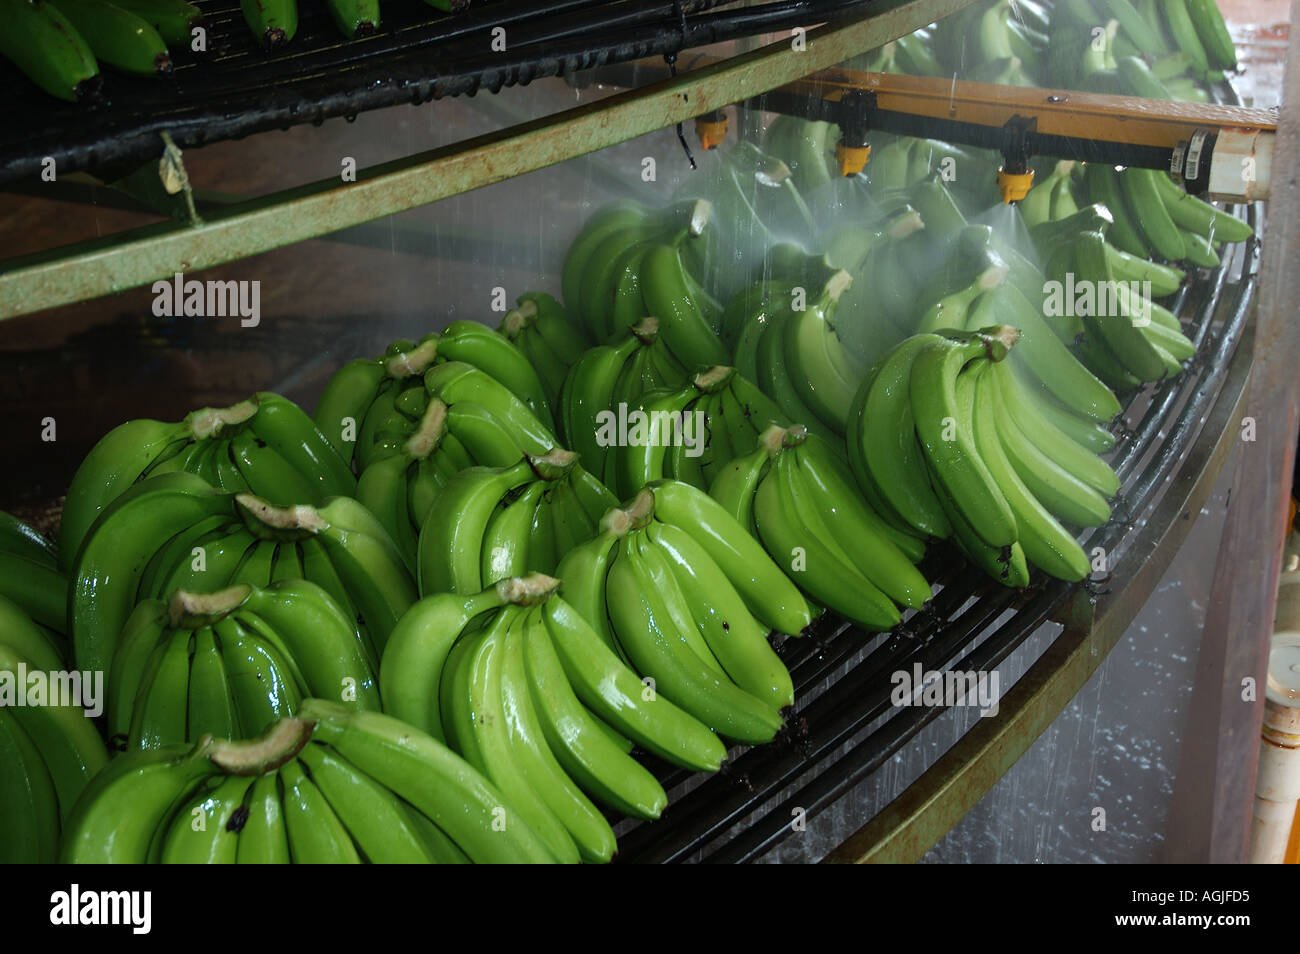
x: 691, y: 432
x: 490, y: 523
x: 1052, y: 197
x: 913, y: 53
x: 682, y: 592
x: 48, y: 751
x: 518, y: 682
x: 796, y: 495
x: 807, y: 147
x: 31, y: 577
x: 608, y: 377
x: 1128, y: 339
x: 755, y: 203
x: 788, y: 341
x: 890, y: 259
x: 265, y: 444
x: 1000, y: 41
x: 332, y: 785
x: 951, y: 441
x: 175, y: 531
x: 470, y: 420
x: 549, y: 337
x: 59, y: 44
x: 628, y: 263
x: 372, y: 405
x: 1154, y: 217
x: 232, y: 662
x: 1151, y: 48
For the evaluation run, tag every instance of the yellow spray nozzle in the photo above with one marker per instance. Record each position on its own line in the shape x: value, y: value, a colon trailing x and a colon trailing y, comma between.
x: 1014, y: 186
x: 852, y: 159
x: 712, y: 132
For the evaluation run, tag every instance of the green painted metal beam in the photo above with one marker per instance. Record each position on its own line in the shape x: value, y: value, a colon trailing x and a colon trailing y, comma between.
x: 913, y: 823
x: 138, y: 257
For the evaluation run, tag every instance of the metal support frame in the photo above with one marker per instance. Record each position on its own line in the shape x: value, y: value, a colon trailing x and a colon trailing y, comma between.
x: 1211, y: 817
x: 140, y: 256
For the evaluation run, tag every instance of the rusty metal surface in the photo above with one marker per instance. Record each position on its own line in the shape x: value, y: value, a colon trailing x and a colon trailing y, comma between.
x: 118, y: 262
x: 1216, y: 775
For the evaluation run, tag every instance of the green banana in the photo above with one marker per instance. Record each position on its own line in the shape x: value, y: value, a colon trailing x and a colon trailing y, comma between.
x: 581, y: 743
x: 449, y: 557
x: 173, y: 19
x: 354, y: 18
x: 733, y: 636
x: 117, y: 36
x: 205, y: 830
x: 29, y: 805
x: 263, y: 840
x: 824, y: 571
x: 316, y: 834
x: 273, y: 22
x: 883, y: 449
x: 116, y: 817
x: 641, y: 620
x: 68, y: 742
x: 1042, y: 353
x: 116, y: 462
x: 441, y: 785
x: 376, y: 820
x: 1194, y: 215
x: 346, y: 399
x: 1213, y: 34
x: 107, y: 570
x: 417, y: 650
x: 767, y: 590
x: 39, y: 40
x: 490, y: 743
x: 1065, y: 496
x: 1045, y: 542
x: 617, y: 695
x: 682, y: 325
x: 1182, y: 28
x: 949, y: 447
x: 1141, y: 190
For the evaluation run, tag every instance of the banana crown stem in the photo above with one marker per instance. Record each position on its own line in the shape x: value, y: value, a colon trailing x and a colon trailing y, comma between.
x: 701, y: 213
x: 270, y: 522
x: 999, y: 339
x: 772, y: 439
x: 836, y: 286
x: 793, y: 436
x: 646, y: 330
x: 620, y: 521
x: 554, y: 464
x: 282, y: 742
x: 429, y: 434
x: 993, y: 276
x: 211, y: 421
x: 519, y: 318
x: 527, y: 590
x: 187, y: 610
x: 714, y: 379
x: 415, y: 361
x: 773, y: 172
x: 904, y: 224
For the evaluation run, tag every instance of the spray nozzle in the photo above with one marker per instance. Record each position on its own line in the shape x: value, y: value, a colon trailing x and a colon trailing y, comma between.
x: 1015, y: 178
